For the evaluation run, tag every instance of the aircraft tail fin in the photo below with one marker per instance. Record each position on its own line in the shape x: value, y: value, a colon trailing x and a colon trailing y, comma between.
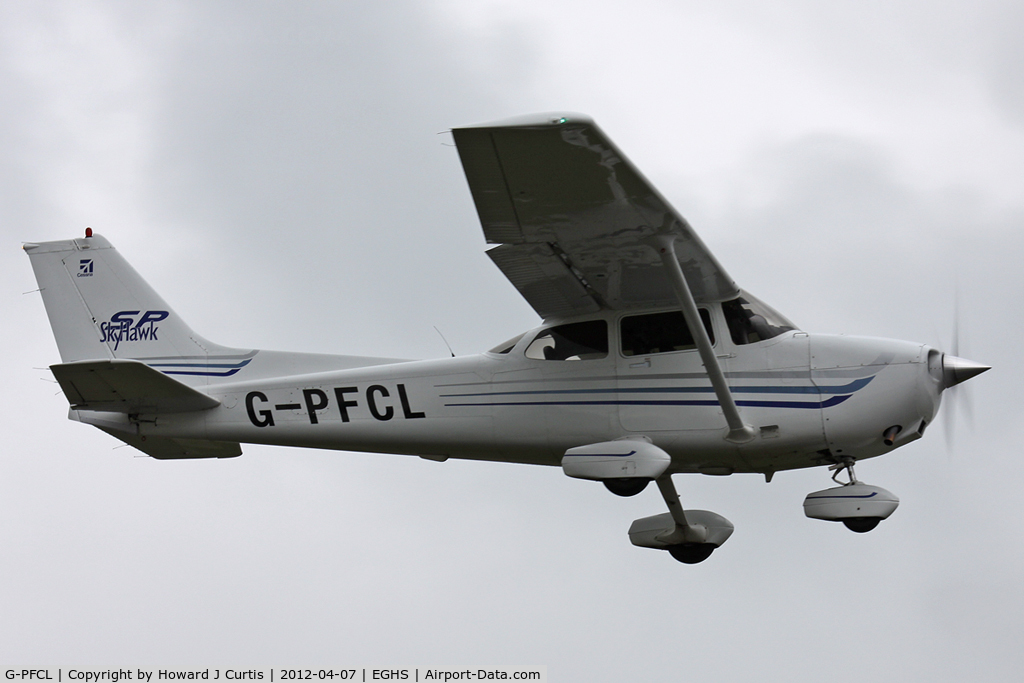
x: 100, y: 308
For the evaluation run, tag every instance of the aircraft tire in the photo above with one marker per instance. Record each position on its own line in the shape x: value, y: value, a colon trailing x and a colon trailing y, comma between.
x: 691, y: 553
x: 626, y: 487
x: 861, y: 525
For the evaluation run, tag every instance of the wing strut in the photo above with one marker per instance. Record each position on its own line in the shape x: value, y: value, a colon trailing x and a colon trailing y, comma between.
x: 739, y: 432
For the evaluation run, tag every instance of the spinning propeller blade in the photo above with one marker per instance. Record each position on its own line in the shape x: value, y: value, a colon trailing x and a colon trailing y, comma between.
x: 956, y: 370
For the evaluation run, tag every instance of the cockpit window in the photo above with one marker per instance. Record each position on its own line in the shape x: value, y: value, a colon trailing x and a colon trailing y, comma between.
x: 659, y: 333
x: 575, y: 341
x: 751, y: 320
x: 505, y: 347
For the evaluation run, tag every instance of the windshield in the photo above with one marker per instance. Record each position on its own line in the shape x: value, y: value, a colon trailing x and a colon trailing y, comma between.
x: 751, y: 320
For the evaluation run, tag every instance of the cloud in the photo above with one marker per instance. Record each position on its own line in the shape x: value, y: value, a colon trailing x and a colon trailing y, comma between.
x: 276, y: 172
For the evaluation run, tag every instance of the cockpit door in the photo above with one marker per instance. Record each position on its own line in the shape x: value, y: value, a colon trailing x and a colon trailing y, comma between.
x: 662, y: 385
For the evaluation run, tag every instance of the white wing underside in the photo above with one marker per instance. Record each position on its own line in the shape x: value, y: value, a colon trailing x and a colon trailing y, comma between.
x: 571, y: 215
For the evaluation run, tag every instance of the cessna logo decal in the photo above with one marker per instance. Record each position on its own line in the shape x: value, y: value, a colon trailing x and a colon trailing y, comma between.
x: 85, y: 267
x: 125, y: 327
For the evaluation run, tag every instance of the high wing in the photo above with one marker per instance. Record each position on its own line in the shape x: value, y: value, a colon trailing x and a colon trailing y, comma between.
x: 571, y: 215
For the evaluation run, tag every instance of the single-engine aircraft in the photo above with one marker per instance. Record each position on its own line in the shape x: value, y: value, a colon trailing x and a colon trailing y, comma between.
x: 650, y: 360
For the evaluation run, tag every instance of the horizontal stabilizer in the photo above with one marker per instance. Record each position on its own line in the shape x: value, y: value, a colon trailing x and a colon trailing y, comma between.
x: 165, y: 448
x: 126, y: 386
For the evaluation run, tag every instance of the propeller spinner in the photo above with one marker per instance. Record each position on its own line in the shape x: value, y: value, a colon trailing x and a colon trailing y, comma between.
x: 956, y: 370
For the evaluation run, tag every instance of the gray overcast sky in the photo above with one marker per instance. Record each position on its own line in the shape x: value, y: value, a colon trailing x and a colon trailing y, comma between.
x: 279, y: 172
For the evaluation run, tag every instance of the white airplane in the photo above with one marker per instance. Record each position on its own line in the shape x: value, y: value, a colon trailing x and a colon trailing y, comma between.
x: 650, y: 361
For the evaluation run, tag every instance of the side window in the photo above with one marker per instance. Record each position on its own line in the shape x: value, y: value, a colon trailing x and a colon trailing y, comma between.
x: 575, y: 341
x: 660, y: 333
x: 509, y: 345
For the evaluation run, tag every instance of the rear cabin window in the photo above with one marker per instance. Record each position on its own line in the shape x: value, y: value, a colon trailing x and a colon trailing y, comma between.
x: 575, y: 341
x: 660, y: 333
x: 751, y: 320
x: 509, y: 345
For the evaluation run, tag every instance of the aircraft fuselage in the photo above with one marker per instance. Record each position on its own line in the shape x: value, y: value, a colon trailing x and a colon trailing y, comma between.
x: 809, y: 398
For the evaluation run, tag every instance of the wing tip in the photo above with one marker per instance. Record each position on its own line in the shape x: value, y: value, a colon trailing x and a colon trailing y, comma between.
x: 541, y: 120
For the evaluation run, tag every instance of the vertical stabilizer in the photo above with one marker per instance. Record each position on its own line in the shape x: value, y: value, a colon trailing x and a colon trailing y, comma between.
x: 100, y: 308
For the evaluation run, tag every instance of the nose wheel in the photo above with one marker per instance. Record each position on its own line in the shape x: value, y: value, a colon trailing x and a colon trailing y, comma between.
x: 859, y: 506
x: 861, y: 525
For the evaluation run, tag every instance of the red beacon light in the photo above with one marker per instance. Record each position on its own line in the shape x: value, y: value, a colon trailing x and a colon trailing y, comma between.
x: 88, y: 232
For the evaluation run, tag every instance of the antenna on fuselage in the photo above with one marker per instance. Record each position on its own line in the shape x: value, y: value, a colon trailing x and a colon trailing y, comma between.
x: 445, y: 341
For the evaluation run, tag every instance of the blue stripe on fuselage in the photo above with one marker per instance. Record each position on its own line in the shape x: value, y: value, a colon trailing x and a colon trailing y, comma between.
x: 224, y: 369
x: 839, y: 393
x: 834, y: 401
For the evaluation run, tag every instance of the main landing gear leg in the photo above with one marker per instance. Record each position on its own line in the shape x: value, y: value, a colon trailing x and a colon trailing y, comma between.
x: 690, y: 536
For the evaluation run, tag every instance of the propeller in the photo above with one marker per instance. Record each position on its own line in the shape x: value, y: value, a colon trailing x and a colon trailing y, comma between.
x: 956, y: 370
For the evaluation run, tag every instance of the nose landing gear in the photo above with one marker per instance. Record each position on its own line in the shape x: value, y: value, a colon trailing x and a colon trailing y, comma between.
x: 860, y: 507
